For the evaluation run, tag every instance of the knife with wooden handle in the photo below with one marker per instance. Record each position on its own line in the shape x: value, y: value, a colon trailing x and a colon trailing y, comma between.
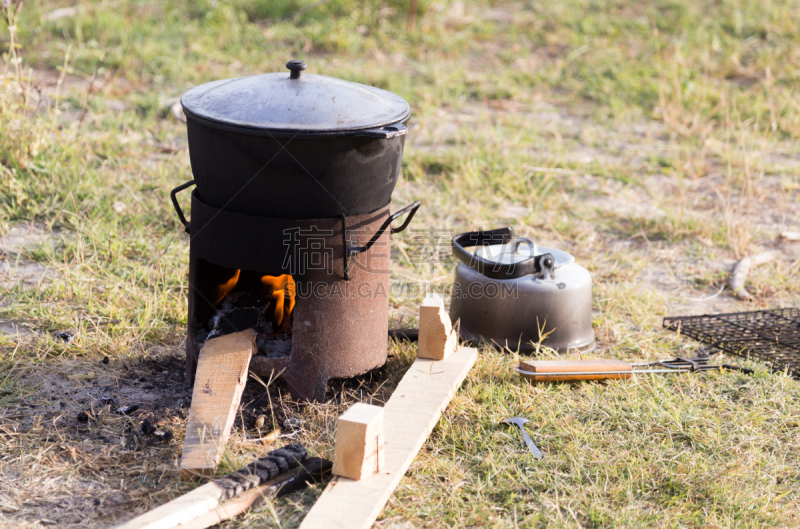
x: 602, y: 369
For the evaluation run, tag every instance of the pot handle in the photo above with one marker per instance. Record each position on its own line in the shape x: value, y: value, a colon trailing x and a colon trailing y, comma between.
x: 178, y: 210
x: 387, y: 131
x: 539, y: 265
x: 352, y: 251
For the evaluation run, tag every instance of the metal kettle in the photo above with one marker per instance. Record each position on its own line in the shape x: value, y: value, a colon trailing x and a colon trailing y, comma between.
x: 515, y: 294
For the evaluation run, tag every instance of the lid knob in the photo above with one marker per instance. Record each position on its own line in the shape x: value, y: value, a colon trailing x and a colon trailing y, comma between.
x: 296, y: 66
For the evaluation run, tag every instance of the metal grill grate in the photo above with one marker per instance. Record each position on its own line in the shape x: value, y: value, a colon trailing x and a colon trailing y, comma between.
x: 772, y: 336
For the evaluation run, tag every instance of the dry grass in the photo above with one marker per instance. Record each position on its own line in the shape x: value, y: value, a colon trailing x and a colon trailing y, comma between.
x: 656, y: 142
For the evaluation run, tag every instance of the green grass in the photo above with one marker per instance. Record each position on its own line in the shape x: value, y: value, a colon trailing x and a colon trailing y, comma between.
x: 655, y: 141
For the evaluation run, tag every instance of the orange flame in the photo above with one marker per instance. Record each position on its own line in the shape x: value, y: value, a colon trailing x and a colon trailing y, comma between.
x: 283, y: 292
x: 225, y: 288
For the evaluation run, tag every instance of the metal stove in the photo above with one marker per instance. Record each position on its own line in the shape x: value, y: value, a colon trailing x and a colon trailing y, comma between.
x: 294, y: 220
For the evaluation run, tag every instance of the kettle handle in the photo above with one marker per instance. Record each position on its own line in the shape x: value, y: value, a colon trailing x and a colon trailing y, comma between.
x: 538, y: 265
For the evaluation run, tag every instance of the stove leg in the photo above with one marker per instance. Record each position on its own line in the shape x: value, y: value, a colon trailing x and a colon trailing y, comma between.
x: 192, y: 350
x: 307, y: 383
x: 192, y: 354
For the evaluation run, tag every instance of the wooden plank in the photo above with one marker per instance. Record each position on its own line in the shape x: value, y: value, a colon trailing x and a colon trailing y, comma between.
x: 314, y: 469
x: 219, y: 381
x: 203, y: 507
x: 409, y: 417
x: 181, y: 510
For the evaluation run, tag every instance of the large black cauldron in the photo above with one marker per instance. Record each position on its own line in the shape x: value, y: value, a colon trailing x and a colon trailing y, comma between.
x: 295, y: 145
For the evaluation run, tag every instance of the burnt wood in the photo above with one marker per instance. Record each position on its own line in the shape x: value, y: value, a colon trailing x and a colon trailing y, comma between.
x: 261, y: 470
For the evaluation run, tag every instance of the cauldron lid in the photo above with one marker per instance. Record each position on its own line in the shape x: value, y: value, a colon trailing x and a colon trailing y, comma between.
x: 303, y: 103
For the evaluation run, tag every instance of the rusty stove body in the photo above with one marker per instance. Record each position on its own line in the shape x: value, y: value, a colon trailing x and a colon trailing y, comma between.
x: 333, y: 332
x: 336, y: 325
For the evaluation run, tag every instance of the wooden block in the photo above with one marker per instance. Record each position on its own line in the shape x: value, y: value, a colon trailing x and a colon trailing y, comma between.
x: 437, y: 338
x: 359, y: 442
x: 409, y: 416
x: 219, y: 381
